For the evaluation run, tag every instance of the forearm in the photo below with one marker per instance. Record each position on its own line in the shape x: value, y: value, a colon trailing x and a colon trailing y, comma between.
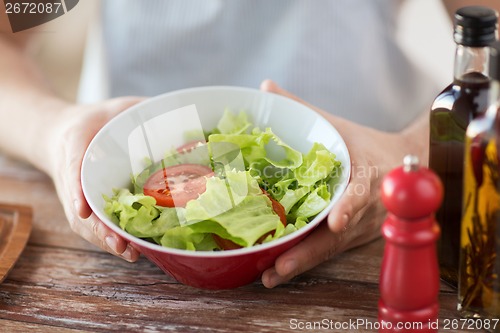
x: 28, y: 108
x: 416, y: 138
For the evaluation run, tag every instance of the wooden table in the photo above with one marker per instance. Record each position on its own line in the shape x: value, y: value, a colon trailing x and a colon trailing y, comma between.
x: 62, y: 284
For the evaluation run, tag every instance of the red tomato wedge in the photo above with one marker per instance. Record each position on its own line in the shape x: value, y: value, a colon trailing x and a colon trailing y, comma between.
x: 278, y: 208
x: 174, y: 186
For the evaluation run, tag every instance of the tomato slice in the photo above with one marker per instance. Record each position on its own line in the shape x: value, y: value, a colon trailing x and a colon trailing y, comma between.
x: 225, y: 244
x: 278, y: 208
x: 175, y: 185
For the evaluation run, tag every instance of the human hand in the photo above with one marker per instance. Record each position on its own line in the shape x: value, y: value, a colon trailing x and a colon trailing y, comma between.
x: 74, y: 129
x: 357, y: 217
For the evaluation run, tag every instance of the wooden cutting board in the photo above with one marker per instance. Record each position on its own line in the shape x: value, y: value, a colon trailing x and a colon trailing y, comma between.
x: 15, y: 229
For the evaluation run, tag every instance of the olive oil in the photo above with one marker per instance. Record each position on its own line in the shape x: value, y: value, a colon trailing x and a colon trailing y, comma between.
x: 479, y: 278
x: 452, y: 111
x: 480, y: 256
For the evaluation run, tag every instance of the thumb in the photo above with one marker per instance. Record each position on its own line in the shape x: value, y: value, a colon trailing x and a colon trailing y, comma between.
x: 351, y: 204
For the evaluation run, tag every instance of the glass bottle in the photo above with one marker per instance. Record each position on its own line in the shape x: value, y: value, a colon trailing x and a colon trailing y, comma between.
x: 452, y: 110
x: 479, y: 284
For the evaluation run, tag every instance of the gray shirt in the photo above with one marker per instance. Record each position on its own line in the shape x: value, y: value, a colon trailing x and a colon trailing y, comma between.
x: 340, y: 55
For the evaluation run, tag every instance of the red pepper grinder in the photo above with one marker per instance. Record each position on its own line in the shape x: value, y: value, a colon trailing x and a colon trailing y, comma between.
x: 409, y: 278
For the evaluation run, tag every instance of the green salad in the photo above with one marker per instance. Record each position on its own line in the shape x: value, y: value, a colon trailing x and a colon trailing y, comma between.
x: 239, y: 187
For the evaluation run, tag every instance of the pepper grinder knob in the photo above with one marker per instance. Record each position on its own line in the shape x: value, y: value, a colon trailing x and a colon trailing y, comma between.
x: 409, y: 277
x: 411, y: 191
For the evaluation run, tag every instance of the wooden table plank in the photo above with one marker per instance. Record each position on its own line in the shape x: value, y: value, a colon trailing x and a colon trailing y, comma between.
x: 63, y: 284
x: 13, y: 326
x: 15, y: 229
x: 50, y: 226
x: 96, y: 291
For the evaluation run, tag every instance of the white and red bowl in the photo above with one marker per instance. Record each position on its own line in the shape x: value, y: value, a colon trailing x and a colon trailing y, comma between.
x: 112, y: 157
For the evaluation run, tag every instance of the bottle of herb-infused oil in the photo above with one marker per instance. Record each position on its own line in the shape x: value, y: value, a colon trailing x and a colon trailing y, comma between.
x: 479, y: 277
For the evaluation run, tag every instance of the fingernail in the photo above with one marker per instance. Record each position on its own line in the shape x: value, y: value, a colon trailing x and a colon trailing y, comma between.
x: 290, y: 266
x: 127, y: 254
x: 112, y: 243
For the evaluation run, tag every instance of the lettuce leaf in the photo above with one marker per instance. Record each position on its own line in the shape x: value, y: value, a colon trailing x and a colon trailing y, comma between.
x: 233, y: 124
x: 221, y: 195
x: 233, y: 206
x: 291, y: 197
x: 135, y: 213
x: 261, y: 145
x: 318, y: 164
x: 187, y: 239
x: 245, y: 223
x: 314, y: 203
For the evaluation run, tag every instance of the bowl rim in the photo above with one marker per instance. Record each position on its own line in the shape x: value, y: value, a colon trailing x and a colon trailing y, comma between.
x: 318, y: 219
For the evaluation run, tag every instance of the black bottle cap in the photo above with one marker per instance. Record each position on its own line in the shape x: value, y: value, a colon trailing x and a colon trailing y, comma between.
x: 494, y: 70
x: 475, y: 26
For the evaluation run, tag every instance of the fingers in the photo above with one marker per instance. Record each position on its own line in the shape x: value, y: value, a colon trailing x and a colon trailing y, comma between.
x: 79, y: 144
x: 82, y: 124
x: 81, y: 206
x: 89, y: 226
x: 72, y: 178
x: 319, y: 246
x: 352, y: 220
x: 350, y: 204
x: 329, y: 238
x: 96, y: 232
